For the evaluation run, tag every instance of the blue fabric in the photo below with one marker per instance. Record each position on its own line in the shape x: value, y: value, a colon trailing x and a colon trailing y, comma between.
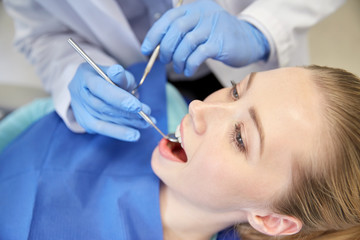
x: 228, y: 234
x: 56, y: 184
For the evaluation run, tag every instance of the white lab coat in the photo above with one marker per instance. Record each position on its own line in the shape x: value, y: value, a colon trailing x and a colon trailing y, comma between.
x: 102, y: 30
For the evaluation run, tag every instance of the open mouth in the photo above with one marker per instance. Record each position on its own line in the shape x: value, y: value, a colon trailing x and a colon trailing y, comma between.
x: 177, y: 151
x: 173, y: 151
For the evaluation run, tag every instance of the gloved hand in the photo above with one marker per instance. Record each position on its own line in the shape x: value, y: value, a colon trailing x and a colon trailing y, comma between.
x: 100, y: 107
x: 190, y: 34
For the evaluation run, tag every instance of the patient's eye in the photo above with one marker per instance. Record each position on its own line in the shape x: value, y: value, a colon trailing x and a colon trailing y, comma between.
x: 238, y: 139
x: 234, y: 93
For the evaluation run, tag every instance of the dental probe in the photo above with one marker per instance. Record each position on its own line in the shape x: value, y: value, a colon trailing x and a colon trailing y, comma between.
x: 151, y: 61
x: 149, y: 66
x: 170, y: 137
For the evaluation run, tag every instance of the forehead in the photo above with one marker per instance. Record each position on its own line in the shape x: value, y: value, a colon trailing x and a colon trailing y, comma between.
x: 289, y: 104
x: 292, y: 82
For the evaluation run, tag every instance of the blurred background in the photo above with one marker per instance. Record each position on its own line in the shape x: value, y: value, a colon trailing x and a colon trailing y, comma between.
x: 335, y: 41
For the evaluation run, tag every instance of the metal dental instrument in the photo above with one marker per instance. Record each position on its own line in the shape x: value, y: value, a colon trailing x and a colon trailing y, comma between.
x: 152, y: 60
x: 149, y: 66
x: 170, y: 137
x: 90, y: 61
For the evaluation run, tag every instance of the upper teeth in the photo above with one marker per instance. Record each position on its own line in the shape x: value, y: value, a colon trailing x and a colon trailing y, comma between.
x: 177, y: 134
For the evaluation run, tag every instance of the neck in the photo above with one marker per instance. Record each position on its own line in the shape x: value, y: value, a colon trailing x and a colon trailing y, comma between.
x: 184, y: 220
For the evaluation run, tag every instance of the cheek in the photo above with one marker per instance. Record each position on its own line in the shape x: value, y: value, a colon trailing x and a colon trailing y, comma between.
x: 229, y: 180
x: 219, y: 177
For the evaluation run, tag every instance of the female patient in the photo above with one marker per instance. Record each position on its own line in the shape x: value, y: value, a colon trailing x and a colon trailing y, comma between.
x: 275, y: 155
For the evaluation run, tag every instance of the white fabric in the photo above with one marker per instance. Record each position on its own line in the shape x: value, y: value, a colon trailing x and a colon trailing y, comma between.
x: 101, y: 28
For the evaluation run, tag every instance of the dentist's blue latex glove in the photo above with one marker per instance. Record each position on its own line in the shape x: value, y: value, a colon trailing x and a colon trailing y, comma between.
x: 190, y: 34
x: 100, y: 107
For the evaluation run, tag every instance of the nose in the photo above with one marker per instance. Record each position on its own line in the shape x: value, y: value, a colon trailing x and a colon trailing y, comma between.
x: 202, y: 113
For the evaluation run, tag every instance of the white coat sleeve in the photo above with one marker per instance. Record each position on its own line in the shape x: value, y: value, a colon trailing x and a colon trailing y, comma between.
x: 286, y: 23
x: 42, y: 38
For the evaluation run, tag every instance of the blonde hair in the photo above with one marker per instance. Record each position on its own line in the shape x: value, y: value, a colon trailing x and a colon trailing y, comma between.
x: 327, y: 200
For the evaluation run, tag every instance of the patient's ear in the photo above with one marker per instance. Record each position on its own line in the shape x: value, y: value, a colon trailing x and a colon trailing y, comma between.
x: 274, y: 224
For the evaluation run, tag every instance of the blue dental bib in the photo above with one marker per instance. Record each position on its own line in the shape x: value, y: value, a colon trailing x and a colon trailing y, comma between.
x: 56, y: 184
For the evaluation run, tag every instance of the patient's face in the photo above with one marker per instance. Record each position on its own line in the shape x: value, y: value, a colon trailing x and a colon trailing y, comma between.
x: 241, y: 142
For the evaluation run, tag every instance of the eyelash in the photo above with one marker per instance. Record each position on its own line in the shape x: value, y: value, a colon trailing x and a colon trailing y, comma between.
x: 237, y: 139
x: 233, y: 92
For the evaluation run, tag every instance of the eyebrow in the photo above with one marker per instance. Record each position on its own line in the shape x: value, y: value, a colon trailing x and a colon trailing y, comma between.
x: 255, y: 117
x: 257, y: 122
x: 251, y: 77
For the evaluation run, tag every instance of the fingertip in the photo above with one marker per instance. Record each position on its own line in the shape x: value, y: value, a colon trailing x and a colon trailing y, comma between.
x: 192, y: 64
x: 178, y: 65
x: 146, y: 47
x: 129, y: 103
x: 146, y: 109
x: 134, y: 136
x: 114, y: 70
x: 188, y: 72
x: 134, y: 108
x: 197, y: 58
x: 154, y: 120
x: 177, y: 69
x: 130, y: 80
x: 147, y: 124
x: 128, y: 135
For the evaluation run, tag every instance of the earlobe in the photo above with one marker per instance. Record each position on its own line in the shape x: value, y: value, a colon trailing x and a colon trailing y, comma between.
x: 274, y: 224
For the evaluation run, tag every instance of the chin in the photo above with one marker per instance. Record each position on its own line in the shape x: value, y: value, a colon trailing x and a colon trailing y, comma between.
x: 154, y: 158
